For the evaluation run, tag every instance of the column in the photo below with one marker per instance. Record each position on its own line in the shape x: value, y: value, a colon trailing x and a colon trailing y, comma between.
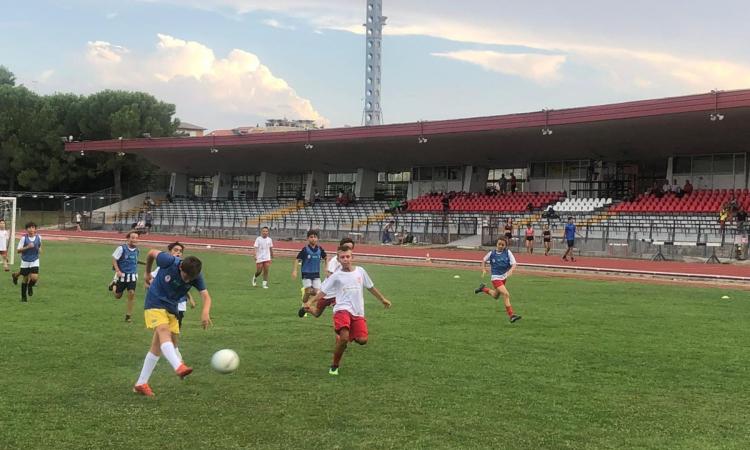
x: 475, y: 179
x: 315, y: 180
x: 268, y: 185
x: 178, y: 184
x: 365, y: 184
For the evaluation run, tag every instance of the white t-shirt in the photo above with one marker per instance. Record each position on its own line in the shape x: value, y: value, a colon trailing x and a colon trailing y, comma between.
x: 332, y: 267
x: 4, y: 240
x: 78, y: 218
x: 263, y: 248
x: 349, y: 288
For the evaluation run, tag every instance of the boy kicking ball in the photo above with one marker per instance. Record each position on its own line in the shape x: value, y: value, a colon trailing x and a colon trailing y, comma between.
x: 502, y: 263
x: 349, y: 320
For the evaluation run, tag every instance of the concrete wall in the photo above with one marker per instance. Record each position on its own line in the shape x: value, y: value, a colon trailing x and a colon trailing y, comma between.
x: 268, y: 185
x: 365, y: 185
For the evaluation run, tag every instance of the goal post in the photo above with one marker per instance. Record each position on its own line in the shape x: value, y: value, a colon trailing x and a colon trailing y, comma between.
x: 8, y: 213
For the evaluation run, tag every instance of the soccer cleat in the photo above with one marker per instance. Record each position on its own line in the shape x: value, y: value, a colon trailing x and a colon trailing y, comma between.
x: 31, y: 290
x: 572, y: 259
x: 143, y: 389
x: 265, y: 286
x: 183, y: 371
x: 480, y: 288
x: 128, y: 319
x: 15, y: 277
x: 333, y: 371
x: 24, y: 300
x: 111, y: 286
x: 564, y: 258
x: 254, y: 282
x: 514, y: 318
x: 302, y: 312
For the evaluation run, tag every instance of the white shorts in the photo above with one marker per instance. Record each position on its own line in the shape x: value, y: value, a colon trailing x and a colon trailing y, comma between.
x: 25, y: 264
x: 315, y: 284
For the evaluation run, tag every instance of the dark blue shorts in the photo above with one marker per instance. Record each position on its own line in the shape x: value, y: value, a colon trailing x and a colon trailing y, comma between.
x: 310, y: 275
x: 571, y: 243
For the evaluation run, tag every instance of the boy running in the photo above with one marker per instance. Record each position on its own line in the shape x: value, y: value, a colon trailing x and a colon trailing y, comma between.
x: 570, y: 238
x: 175, y: 278
x: 503, y: 263
x: 349, y: 320
x: 4, y: 240
x: 125, y: 264
x: 310, y: 258
x: 29, y: 246
x: 263, y: 255
x: 332, y: 267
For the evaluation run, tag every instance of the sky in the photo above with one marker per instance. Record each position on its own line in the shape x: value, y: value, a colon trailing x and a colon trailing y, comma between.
x: 230, y: 63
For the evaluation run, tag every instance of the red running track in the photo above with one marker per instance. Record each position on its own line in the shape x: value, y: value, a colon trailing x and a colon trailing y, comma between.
x: 594, y: 264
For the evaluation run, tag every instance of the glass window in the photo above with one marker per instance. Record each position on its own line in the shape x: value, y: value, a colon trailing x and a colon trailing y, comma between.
x: 537, y: 170
x: 681, y: 165
x: 723, y: 163
x: 572, y: 170
x: 702, y: 164
x: 453, y: 173
x: 440, y: 173
x: 554, y: 170
x: 739, y: 163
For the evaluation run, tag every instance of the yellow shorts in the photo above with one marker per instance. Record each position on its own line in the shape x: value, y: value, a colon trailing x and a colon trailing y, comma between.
x: 156, y: 317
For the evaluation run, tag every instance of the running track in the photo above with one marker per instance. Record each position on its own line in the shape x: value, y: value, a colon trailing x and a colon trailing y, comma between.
x: 729, y: 272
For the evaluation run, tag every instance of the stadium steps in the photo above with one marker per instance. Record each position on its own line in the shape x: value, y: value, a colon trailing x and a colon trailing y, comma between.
x: 278, y: 213
x: 378, y: 217
x: 598, y: 219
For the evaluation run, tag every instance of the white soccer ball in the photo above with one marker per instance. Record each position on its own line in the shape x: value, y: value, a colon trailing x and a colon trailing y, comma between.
x: 208, y: 246
x: 456, y: 276
x: 225, y: 361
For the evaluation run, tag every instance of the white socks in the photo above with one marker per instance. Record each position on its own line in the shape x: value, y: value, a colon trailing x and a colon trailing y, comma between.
x: 149, y: 364
x: 168, y: 350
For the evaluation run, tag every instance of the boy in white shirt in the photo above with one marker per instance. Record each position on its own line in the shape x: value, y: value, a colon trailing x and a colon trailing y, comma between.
x: 349, y: 311
x: 4, y: 239
x: 263, y: 255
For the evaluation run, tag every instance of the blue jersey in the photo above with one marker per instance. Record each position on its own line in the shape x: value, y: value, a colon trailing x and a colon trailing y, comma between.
x: 128, y: 260
x: 311, y: 258
x: 500, y: 262
x: 168, y: 288
x: 32, y: 254
x: 570, y: 231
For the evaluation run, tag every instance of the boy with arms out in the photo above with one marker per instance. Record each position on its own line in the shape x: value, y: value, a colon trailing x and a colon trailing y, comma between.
x: 502, y: 263
x: 29, y: 246
x: 310, y: 258
x: 175, y: 278
x: 125, y: 264
x: 349, y: 320
x: 263, y: 255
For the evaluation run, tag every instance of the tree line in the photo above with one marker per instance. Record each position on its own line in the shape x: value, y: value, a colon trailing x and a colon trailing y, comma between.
x: 33, y: 128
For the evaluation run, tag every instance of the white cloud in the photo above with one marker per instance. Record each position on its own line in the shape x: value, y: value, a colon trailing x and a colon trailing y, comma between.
x: 273, y: 23
x: 215, y: 92
x: 46, y: 75
x: 539, y: 68
x: 112, y: 15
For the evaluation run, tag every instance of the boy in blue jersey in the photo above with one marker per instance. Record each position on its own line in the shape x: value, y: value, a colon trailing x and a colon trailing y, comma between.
x: 175, y: 278
x: 569, y: 235
x: 29, y: 246
x: 310, y: 257
x: 502, y: 263
x: 125, y: 264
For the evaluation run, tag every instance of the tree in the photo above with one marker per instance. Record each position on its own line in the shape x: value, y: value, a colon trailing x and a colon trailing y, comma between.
x: 6, y: 77
x: 120, y: 114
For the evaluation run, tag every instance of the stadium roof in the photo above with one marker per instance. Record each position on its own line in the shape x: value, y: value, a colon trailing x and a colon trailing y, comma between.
x: 648, y: 130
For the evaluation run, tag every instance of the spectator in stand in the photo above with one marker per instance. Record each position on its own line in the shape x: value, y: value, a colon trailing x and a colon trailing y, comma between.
x: 513, y: 183
x: 340, y: 197
x: 446, y: 201
x: 388, y: 230
x: 666, y: 187
x: 404, y: 205
x: 741, y: 218
x: 503, y: 184
x: 688, y: 188
x: 676, y: 189
x: 733, y: 205
x: 702, y: 184
x: 723, y: 216
x: 394, y: 206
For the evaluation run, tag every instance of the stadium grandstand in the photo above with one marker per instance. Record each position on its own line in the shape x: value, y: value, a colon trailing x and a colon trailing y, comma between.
x: 630, y: 174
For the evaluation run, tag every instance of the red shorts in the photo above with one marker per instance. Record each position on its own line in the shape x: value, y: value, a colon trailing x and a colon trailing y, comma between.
x: 357, y: 325
x: 498, y: 283
x: 323, y: 303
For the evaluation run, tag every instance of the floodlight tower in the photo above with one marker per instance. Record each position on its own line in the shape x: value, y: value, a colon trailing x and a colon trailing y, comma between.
x: 374, y: 24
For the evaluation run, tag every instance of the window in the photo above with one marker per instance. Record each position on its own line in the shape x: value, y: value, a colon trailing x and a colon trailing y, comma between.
x: 723, y: 163
x: 681, y: 165
x: 702, y: 164
x: 739, y: 163
x: 537, y: 170
x: 572, y: 170
x: 554, y: 170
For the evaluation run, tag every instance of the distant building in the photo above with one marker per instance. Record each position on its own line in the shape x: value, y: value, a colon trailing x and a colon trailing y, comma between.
x: 188, y: 129
x: 272, y: 125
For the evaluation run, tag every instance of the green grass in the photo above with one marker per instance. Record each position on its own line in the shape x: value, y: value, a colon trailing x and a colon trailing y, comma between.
x: 592, y: 365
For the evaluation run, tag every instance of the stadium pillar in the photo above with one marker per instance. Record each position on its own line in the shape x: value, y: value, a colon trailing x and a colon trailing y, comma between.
x: 222, y: 184
x: 268, y: 185
x: 316, y: 180
x: 670, y: 169
x: 178, y: 184
x: 475, y: 179
x: 365, y: 185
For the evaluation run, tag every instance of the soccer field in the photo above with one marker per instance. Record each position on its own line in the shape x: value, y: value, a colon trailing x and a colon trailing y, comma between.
x: 592, y: 364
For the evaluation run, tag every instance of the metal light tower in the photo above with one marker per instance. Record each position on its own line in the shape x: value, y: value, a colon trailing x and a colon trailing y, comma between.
x: 375, y: 21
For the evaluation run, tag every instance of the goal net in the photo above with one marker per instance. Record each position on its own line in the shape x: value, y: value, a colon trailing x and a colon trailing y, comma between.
x: 8, y: 213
